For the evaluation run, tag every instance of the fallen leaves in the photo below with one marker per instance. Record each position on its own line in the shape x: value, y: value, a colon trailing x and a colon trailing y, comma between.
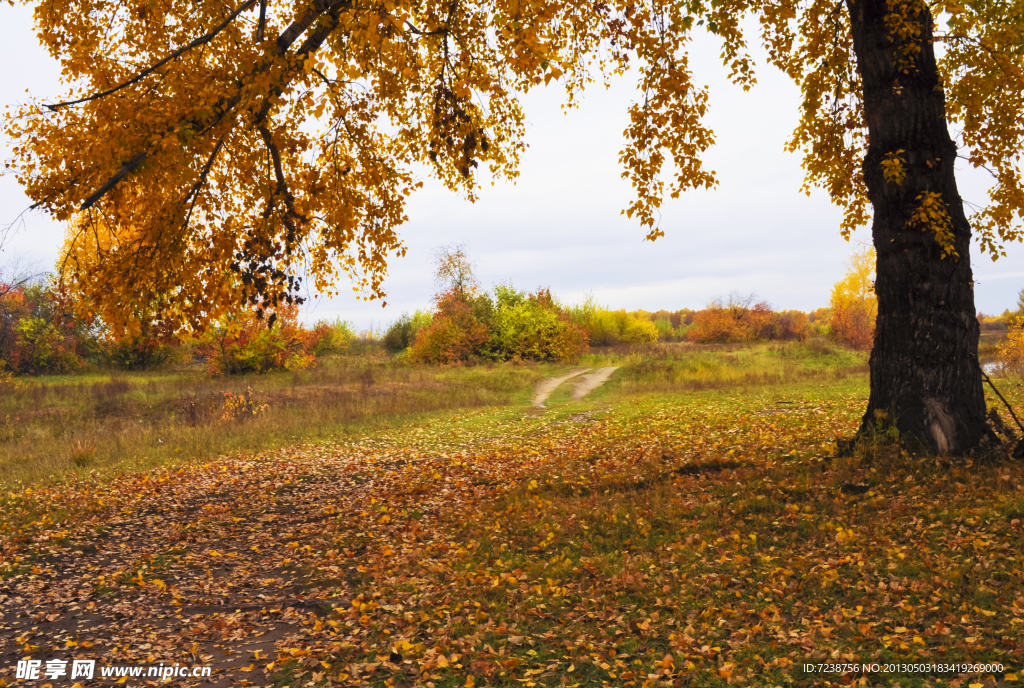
x: 606, y: 552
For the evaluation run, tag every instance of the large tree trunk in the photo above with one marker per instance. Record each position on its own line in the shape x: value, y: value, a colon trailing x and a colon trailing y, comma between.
x: 924, y: 365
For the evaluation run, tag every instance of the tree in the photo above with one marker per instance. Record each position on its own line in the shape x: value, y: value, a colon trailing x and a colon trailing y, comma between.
x: 740, y: 318
x: 454, y: 270
x: 853, y: 308
x: 241, y: 343
x: 223, y: 142
x: 1010, y: 351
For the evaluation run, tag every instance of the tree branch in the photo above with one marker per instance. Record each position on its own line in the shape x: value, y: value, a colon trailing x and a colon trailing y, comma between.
x: 193, y: 193
x: 127, y: 167
x: 282, y: 184
x: 202, y: 40
x: 263, y: 21
x: 284, y: 42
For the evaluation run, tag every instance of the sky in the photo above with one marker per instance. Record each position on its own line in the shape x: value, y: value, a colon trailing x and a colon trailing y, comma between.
x: 559, y: 225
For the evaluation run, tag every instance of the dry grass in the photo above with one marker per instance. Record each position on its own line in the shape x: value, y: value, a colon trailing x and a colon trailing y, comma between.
x: 53, y: 427
x: 684, y: 367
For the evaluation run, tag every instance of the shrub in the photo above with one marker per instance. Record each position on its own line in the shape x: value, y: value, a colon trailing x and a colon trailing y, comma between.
x: 511, y: 326
x: 532, y: 327
x: 243, y: 343
x: 402, y: 333
x: 39, y: 332
x: 760, y: 322
x: 715, y: 324
x: 1010, y: 351
x: 137, y: 352
x: 671, y: 326
x: 458, y: 329
x: 41, y: 349
x: 13, y: 309
x: 792, y: 325
x: 666, y: 332
x: 638, y: 331
x: 738, y: 319
x: 605, y: 327
x: 241, y: 407
x: 329, y: 338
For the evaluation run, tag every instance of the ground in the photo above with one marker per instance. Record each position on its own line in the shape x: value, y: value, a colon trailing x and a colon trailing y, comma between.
x: 688, y: 523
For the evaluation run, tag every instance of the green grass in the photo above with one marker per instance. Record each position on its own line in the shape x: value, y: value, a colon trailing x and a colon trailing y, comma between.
x: 687, y: 522
x: 52, y: 428
x: 685, y: 368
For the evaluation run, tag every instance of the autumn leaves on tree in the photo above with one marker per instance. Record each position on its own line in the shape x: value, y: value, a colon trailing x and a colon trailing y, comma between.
x: 225, y: 149
x: 854, y: 307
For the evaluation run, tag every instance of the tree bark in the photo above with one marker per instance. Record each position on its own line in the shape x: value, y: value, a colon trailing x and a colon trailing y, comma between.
x: 924, y: 364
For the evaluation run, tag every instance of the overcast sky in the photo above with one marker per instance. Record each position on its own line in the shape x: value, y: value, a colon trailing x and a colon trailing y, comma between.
x: 560, y: 225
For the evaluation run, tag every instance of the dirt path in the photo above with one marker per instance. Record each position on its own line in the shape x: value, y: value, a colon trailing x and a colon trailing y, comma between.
x: 588, y: 383
x: 546, y: 387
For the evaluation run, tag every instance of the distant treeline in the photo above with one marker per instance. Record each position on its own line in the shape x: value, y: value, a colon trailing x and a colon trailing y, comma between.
x: 508, y: 324
x: 43, y: 331
x: 737, y: 319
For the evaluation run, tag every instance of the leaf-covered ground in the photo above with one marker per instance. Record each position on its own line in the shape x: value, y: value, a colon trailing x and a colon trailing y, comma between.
x: 688, y: 540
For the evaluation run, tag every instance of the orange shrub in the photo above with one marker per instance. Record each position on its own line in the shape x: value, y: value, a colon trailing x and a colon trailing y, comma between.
x: 854, y: 325
x: 715, y: 324
x: 455, y: 333
x: 792, y: 325
x: 735, y: 321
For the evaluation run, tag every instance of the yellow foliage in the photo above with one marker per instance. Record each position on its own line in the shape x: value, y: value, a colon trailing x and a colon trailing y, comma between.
x: 257, y: 151
x: 905, y: 21
x: 932, y: 214
x: 607, y: 327
x: 892, y: 167
x: 854, y: 306
x: 1010, y: 351
x: 91, y: 270
x: 639, y: 331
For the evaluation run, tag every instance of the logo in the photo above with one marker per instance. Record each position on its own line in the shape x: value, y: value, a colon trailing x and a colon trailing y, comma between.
x: 33, y: 669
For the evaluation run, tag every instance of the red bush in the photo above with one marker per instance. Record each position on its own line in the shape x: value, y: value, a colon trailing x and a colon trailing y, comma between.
x: 455, y: 333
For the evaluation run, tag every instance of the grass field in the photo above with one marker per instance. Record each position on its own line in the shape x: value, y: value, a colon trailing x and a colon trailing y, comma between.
x: 51, y: 427
x: 688, y: 524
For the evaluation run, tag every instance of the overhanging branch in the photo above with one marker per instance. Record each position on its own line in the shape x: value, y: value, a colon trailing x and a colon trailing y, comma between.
x: 284, y: 41
x: 193, y: 194
x: 202, y: 40
x: 282, y: 184
x: 127, y: 167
